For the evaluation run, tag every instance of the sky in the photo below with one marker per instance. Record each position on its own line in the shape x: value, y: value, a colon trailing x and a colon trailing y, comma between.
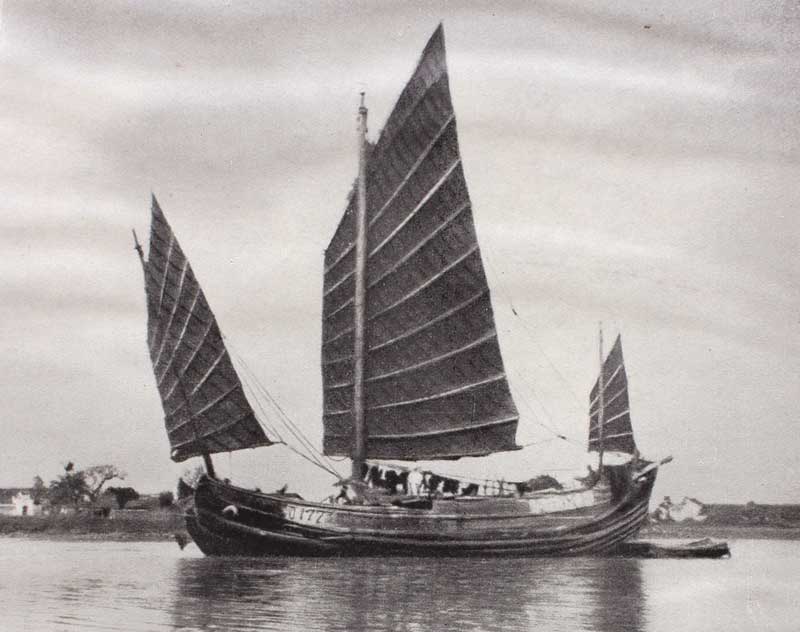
x: 635, y: 164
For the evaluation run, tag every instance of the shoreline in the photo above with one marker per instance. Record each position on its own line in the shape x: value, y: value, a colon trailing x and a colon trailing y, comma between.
x: 683, y: 531
x: 163, y: 525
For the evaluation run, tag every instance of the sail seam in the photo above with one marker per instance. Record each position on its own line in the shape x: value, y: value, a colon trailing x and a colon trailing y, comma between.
x: 341, y: 334
x: 605, y: 385
x: 375, y: 378
x: 431, y: 192
x: 420, y: 245
x: 442, y: 395
x: 433, y: 321
x: 180, y: 338
x: 399, y: 187
x: 398, y: 228
x: 172, y: 313
x: 416, y: 330
x: 610, y: 419
x: 182, y: 372
x: 612, y: 378
x: 425, y: 285
x: 203, y: 410
x: 613, y: 436
x: 403, y: 299
x: 212, y: 435
x: 449, y: 220
x: 166, y: 271
x: 349, y: 248
x: 210, y: 370
x: 347, y: 303
x: 414, y: 167
x: 434, y: 433
x: 392, y: 129
x: 607, y: 402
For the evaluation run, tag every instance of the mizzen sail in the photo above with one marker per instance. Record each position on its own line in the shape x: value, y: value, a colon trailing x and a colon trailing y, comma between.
x: 435, y: 385
x: 617, y: 432
x: 205, y: 409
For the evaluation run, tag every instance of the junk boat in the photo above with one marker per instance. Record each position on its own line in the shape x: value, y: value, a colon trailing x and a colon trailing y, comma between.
x: 411, y: 370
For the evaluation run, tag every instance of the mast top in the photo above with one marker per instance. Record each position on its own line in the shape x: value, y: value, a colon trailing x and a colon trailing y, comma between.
x: 138, y: 247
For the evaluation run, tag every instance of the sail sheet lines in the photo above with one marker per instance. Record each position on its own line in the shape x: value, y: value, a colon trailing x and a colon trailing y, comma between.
x: 205, y: 408
x: 435, y: 385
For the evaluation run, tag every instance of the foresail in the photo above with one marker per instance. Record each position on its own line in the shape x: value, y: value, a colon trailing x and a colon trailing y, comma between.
x: 435, y: 384
x: 617, y: 435
x: 205, y: 409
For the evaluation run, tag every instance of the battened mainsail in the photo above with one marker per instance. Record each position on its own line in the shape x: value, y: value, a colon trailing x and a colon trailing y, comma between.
x: 617, y: 432
x: 205, y: 409
x: 434, y: 384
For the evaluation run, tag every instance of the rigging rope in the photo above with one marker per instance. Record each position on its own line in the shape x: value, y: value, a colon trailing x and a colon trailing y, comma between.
x: 312, y: 455
x: 489, y: 257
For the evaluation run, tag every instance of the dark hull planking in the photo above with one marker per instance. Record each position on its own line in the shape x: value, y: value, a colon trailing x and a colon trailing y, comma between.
x: 229, y: 520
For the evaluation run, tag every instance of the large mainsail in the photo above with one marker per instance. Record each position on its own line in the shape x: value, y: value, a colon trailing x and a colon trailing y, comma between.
x: 205, y: 409
x: 617, y: 432
x: 434, y: 381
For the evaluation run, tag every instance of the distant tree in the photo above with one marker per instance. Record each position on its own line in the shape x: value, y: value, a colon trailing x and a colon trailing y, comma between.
x: 165, y: 499
x: 190, y: 477
x: 74, y: 487
x: 38, y: 491
x: 97, y: 476
x: 123, y: 495
x: 68, y: 489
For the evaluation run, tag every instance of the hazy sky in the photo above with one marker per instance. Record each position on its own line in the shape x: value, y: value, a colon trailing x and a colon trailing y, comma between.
x: 635, y: 164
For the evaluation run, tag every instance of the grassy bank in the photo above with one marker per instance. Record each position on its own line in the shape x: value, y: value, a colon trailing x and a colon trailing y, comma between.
x: 162, y: 524
x: 698, y: 531
x: 121, y: 525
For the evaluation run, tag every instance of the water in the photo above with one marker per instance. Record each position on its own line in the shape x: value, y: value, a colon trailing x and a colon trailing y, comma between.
x: 54, y: 585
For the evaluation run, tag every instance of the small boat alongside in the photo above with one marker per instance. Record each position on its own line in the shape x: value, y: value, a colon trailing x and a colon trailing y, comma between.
x: 705, y: 548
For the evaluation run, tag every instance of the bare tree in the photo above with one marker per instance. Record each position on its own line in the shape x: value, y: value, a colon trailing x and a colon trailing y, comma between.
x: 97, y: 476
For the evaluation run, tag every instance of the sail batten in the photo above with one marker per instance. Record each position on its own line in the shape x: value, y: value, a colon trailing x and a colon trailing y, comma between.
x: 617, y: 431
x: 205, y: 409
x: 432, y: 433
x: 451, y: 119
x: 419, y: 288
x: 171, y: 316
x: 430, y: 360
x: 434, y: 382
x: 434, y: 233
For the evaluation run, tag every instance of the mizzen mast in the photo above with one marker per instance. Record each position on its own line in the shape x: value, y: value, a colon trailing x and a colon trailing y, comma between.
x: 359, y: 301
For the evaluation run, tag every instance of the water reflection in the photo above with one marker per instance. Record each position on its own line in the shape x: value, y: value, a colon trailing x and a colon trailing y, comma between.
x: 230, y: 594
x: 409, y: 595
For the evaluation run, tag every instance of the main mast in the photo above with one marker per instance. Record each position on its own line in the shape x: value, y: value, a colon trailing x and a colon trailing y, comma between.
x: 601, y: 402
x: 359, y: 302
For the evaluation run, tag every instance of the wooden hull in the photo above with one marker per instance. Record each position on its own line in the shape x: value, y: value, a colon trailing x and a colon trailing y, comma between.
x: 229, y: 520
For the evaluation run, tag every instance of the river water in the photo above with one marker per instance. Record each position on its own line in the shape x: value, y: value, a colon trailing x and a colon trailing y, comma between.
x: 58, y: 585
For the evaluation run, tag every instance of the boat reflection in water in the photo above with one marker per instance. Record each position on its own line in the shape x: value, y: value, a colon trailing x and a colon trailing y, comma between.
x: 410, y: 594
